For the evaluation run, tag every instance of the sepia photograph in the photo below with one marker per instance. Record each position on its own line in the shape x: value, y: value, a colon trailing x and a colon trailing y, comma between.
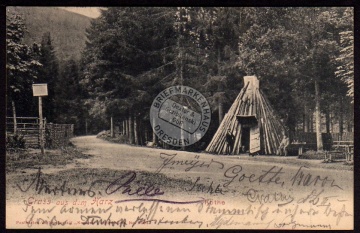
x: 179, y: 117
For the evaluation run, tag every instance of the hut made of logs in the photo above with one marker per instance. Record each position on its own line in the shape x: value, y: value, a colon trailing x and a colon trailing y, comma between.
x: 252, y: 121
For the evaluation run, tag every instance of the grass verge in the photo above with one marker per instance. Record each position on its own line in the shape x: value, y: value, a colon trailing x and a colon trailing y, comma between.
x: 32, y: 158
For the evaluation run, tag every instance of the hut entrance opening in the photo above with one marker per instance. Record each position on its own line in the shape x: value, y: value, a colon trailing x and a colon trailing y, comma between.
x: 245, y: 139
x: 250, y: 136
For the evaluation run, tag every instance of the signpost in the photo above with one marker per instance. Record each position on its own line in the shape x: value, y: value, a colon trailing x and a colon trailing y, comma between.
x: 40, y: 90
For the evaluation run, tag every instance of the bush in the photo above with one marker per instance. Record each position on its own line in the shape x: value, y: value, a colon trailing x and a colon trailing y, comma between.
x: 311, y: 154
x: 118, y: 138
x: 15, y: 141
x: 104, y: 133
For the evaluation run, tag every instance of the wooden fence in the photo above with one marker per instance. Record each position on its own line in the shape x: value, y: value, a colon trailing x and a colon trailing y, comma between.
x: 28, y: 127
x: 346, y: 136
x: 56, y: 135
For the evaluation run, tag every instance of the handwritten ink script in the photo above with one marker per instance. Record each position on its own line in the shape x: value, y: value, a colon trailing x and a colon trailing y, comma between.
x: 198, y: 192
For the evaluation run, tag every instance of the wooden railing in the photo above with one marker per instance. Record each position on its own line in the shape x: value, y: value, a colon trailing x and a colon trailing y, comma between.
x: 336, y: 145
x: 340, y: 150
x: 327, y: 137
x: 28, y: 127
x: 346, y: 136
x: 309, y: 140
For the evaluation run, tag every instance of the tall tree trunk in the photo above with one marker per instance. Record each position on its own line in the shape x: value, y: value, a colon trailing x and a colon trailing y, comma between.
x: 141, y: 131
x: 111, y: 127
x: 341, y: 118
x: 14, y: 115
x: 146, y: 134
x: 221, y: 111
x: 153, y: 133
x: 122, y: 127
x: 181, y: 79
x: 127, y: 127
x: 136, y: 135
x: 349, y: 125
x: 218, y: 60
x: 318, y: 118
x: 327, y: 117
x: 131, y: 129
x: 304, y: 119
x: 311, y: 122
x: 305, y: 125
x: 154, y: 138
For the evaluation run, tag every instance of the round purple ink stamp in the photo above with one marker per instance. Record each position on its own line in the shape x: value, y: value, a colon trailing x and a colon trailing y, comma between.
x: 180, y: 115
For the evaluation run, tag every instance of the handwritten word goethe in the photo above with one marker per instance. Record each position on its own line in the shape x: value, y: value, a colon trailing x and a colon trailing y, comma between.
x: 271, y: 175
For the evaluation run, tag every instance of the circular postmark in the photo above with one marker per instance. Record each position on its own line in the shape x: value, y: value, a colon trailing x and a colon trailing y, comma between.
x: 180, y: 115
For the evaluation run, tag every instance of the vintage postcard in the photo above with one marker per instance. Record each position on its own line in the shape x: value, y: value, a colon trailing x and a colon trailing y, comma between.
x: 180, y: 118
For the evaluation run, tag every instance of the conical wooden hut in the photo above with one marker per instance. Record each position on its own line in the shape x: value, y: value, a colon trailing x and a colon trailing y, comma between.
x: 252, y: 121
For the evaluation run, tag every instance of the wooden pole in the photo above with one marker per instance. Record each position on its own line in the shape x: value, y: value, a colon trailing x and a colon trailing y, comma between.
x: 41, y: 126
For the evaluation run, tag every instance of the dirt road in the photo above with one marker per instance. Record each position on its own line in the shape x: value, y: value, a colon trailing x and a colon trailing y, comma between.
x: 125, y: 157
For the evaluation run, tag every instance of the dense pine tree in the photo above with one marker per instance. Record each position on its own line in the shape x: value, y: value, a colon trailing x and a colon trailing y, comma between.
x: 69, y: 95
x: 49, y: 73
x: 124, y: 61
x: 21, y: 68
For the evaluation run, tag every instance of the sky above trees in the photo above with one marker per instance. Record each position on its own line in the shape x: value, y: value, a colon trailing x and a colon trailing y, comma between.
x: 92, y: 12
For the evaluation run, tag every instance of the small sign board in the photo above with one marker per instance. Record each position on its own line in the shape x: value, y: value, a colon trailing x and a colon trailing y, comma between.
x: 40, y: 89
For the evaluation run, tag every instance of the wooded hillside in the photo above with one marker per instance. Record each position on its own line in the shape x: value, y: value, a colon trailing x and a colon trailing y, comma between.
x: 66, y: 28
